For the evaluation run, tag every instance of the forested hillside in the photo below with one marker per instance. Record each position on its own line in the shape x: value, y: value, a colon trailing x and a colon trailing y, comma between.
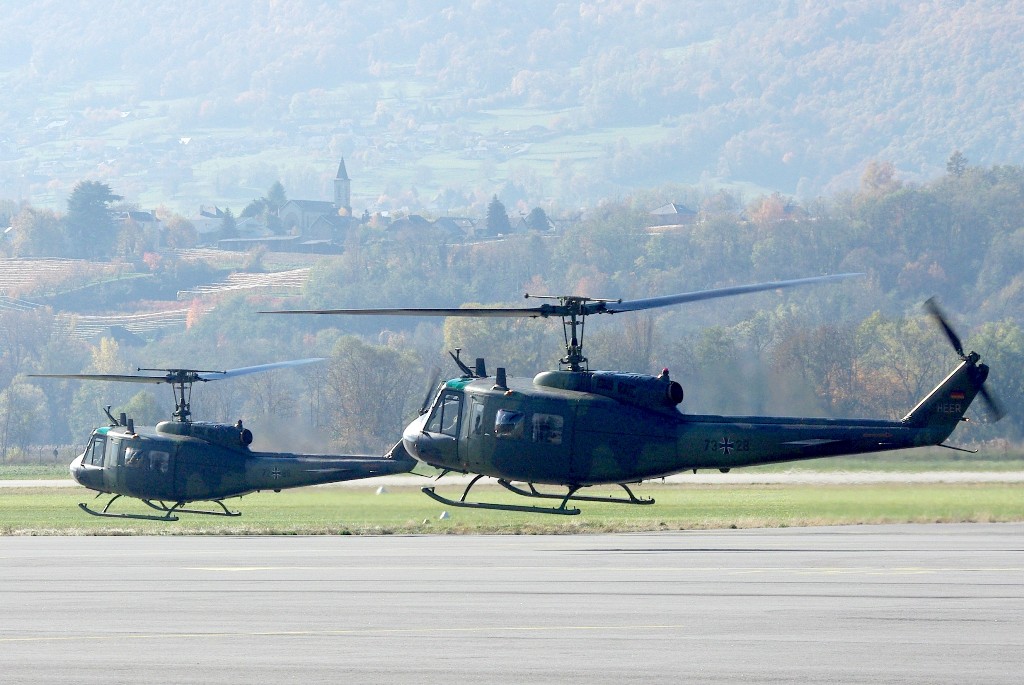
x: 862, y: 347
x: 439, y: 105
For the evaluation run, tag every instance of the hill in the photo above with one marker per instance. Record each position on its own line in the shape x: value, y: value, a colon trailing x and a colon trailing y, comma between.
x: 438, y: 106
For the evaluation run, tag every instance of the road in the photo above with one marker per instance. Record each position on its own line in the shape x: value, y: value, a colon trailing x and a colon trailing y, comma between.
x: 862, y: 604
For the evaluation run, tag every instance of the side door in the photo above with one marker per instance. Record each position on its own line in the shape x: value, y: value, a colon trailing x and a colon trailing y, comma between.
x: 476, y: 431
x: 438, y: 445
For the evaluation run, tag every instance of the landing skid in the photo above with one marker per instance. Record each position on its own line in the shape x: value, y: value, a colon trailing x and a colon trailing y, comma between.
x: 169, y: 512
x: 177, y: 508
x: 104, y: 513
x: 429, y: 492
x: 561, y: 509
x: 533, y: 492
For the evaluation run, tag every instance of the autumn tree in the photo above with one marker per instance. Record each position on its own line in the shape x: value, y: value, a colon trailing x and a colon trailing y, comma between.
x: 37, y: 233
x: 370, y: 396
x: 180, y: 233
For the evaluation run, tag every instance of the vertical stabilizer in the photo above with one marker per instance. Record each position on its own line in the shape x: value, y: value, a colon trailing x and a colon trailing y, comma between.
x: 943, y: 408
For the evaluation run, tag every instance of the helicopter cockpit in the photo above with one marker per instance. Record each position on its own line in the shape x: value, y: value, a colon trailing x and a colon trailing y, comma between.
x: 444, y: 418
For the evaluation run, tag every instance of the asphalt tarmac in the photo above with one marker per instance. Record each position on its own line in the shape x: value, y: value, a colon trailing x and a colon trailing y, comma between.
x: 862, y: 604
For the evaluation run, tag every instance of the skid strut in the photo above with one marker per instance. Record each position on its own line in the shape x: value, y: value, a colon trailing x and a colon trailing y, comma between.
x: 169, y: 512
x: 561, y: 509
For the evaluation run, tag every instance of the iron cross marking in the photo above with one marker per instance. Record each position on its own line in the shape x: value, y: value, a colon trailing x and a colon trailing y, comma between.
x: 726, y: 446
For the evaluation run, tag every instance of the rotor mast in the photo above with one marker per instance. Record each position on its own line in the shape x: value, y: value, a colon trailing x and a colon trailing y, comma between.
x: 181, y: 381
x: 573, y: 310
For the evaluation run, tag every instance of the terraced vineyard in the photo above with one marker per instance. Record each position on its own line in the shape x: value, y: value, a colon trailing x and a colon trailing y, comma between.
x: 280, y: 283
x: 89, y: 327
x: 27, y: 278
x: 19, y: 277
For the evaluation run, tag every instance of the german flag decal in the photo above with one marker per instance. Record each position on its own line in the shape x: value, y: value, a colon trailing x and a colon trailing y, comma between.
x: 956, y: 395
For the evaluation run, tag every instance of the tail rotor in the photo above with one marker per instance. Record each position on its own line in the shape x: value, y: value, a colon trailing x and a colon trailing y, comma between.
x: 994, y: 407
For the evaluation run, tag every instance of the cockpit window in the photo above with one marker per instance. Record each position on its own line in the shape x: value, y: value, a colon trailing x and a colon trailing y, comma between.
x: 94, y: 455
x: 509, y: 424
x: 445, y: 417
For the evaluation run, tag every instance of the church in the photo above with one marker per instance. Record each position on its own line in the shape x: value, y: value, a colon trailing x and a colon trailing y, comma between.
x: 319, y: 219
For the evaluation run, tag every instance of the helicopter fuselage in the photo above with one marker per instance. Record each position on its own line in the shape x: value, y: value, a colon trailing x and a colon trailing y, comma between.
x: 185, y: 462
x: 589, y: 428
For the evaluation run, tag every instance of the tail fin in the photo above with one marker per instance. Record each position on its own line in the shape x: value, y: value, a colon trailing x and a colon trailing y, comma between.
x: 943, y: 408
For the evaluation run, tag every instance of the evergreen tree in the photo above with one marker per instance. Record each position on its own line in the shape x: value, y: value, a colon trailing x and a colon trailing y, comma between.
x: 228, y: 225
x: 537, y: 220
x: 90, y: 224
x: 957, y: 164
x: 276, y: 197
x: 497, y: 218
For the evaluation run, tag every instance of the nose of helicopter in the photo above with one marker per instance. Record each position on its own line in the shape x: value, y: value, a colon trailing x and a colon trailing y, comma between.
x: 412, y: 433
x: 76, y: 469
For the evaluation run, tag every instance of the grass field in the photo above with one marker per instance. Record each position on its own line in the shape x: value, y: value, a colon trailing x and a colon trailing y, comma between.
x: 404, y: 510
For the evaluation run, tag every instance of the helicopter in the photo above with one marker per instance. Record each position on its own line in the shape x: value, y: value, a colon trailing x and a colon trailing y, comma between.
x: 181, y: 461
x: 575, y: 428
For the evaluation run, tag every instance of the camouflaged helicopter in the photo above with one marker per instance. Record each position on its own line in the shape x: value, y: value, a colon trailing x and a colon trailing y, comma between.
x: 180, y: 461
x: 575, y: 428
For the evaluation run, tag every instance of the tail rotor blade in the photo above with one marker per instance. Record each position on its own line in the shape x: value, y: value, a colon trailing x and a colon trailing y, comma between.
x: 933, y: 308
x: 995, y: 408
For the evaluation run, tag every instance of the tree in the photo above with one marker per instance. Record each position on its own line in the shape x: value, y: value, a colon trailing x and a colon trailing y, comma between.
x: 228, y: 225
x: 20, y: 405
x: 276, y: 197
x: 180, y: 233
x: 90, y: 224
x: 497, y: 218
x: 38, y: 233
x: 879, y: 178
x: 957, y: 164
x: 143, y: 408
x: 368, y: 396
x: 537, y: 220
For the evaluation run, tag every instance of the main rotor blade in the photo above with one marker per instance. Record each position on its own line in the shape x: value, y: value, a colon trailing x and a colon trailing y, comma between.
x: 543, y: 310
x: 178, y: 375
x: 581, y: 305
x: 231, y: 373
x: 933, y: 308
x: 666, y: 300
x: 122, y: 378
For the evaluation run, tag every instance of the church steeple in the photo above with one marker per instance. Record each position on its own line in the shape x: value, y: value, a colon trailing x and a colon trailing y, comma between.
x: 343, y: 189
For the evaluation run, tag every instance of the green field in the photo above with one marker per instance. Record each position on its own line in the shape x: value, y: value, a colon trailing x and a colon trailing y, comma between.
x: 404, y: 510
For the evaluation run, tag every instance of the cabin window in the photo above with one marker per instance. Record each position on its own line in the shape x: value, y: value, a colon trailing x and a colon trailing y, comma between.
x: 120, y: 453
x: 159, y: 461
x: 547, y: 428
x: 509, y: 424
x: 477, y: 418
x: 134, y: 457
x: 110, y: 453
x: 445, y: 417
x: 95, y: 453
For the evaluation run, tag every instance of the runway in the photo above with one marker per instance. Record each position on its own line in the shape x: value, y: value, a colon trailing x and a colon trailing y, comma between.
x: 862, y: 604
